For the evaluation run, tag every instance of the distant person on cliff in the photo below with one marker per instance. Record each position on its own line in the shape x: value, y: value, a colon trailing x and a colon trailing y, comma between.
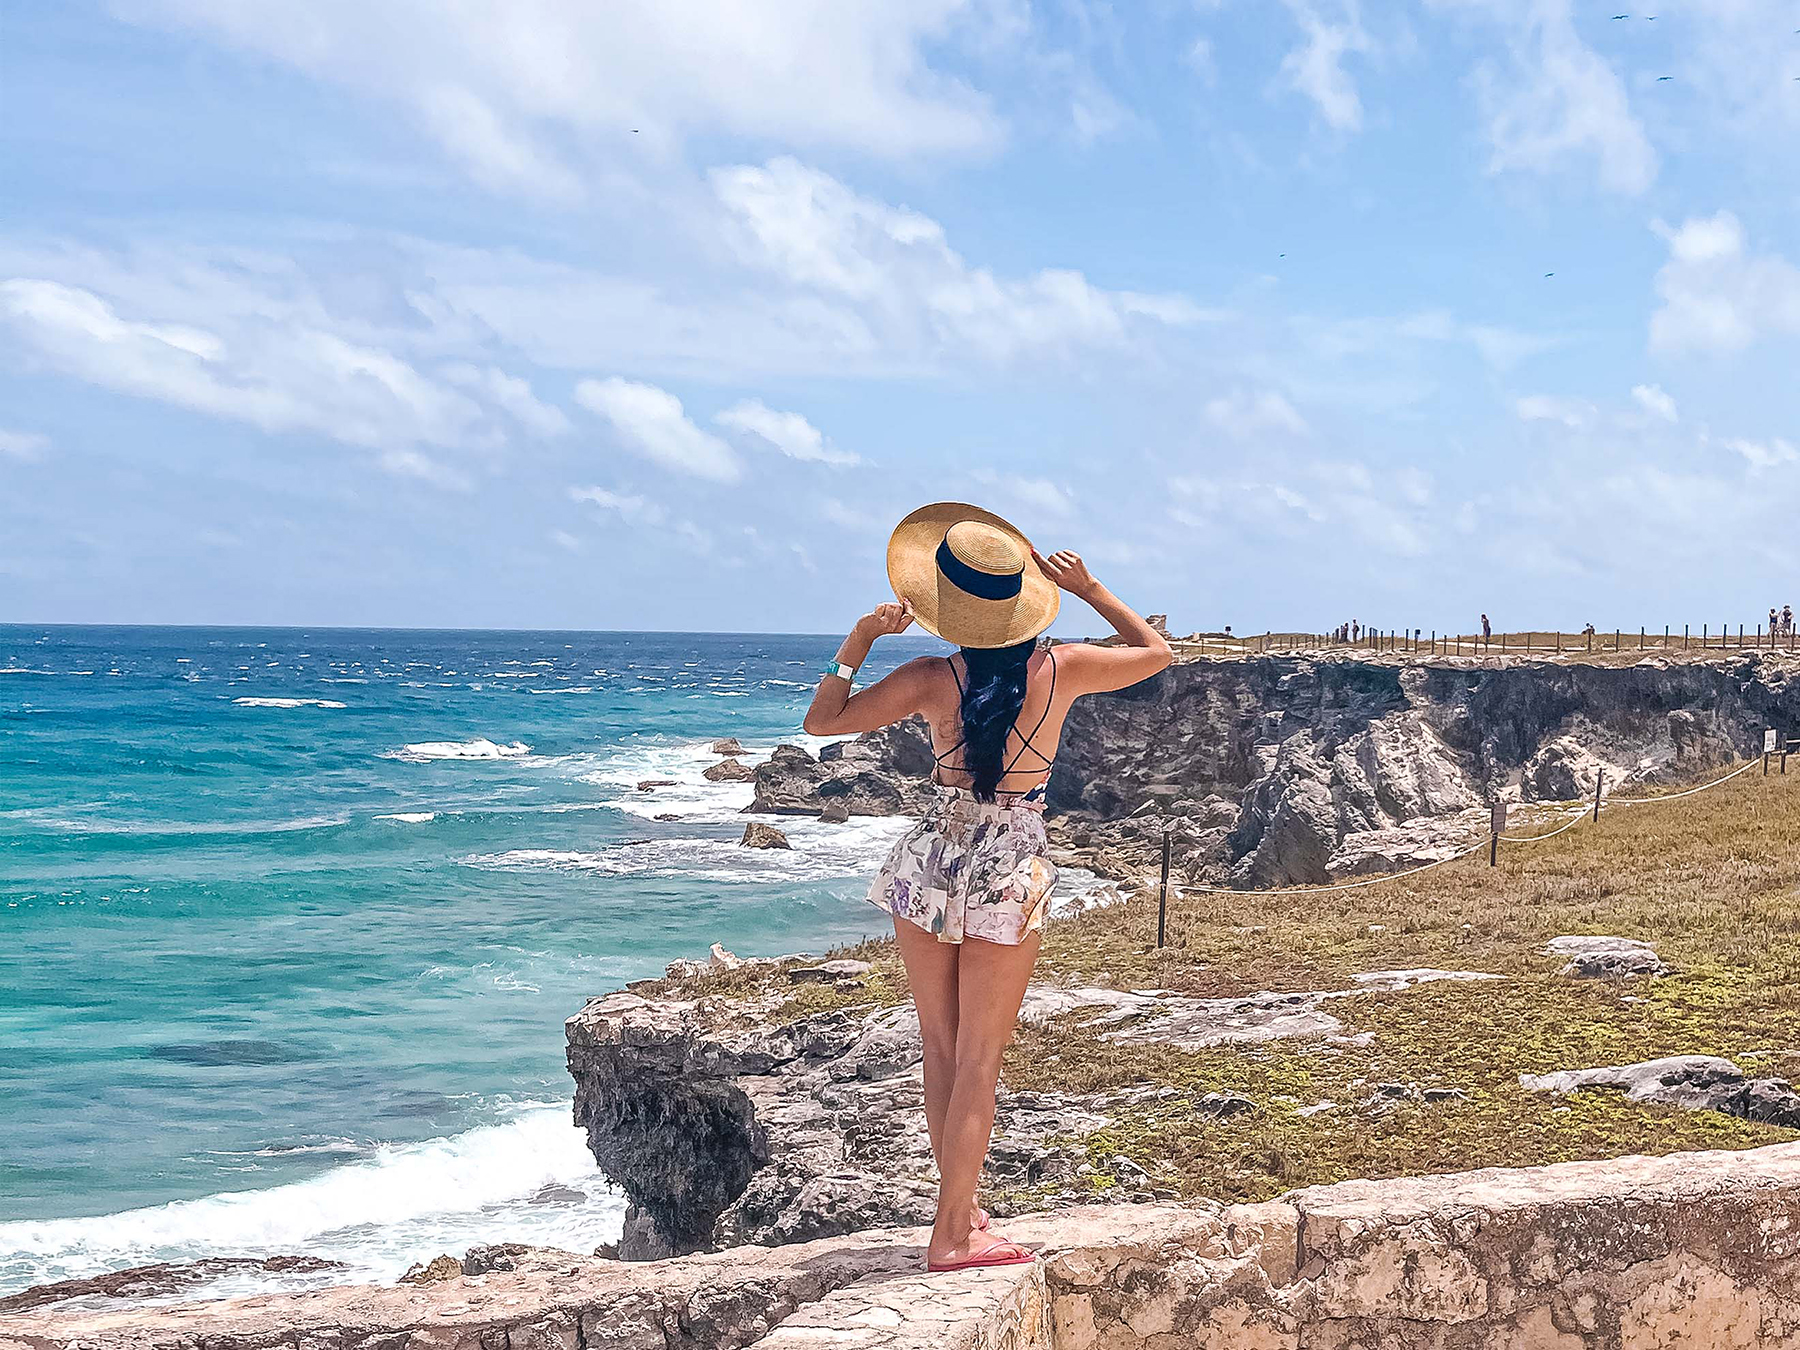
x: 968, y: 886
x: 1355, y: 630
x: 1787, y: 620
x: 1774, y: 622
x: 1487, y: 629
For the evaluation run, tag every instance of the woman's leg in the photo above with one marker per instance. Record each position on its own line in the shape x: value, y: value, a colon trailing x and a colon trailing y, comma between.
x: 931, y: 971
x: 991, y: 980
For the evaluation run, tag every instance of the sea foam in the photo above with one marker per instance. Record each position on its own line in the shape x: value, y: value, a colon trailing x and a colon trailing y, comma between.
x: 479, y: 748
x: 287, y: 703
x: 530, y: 1177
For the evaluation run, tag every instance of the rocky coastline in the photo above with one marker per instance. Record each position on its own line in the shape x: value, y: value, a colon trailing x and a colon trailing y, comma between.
x: 775, y: 1104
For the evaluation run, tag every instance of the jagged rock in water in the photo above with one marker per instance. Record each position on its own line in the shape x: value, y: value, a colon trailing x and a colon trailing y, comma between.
x: 759, y: 835
x: 431, y: 1272
x: 730, y: 747
x: 728, y: 771
x: 1696, y: 1082
x: 835, y: 813
x: 1613, y: 957
x: 156, y: 1281
x: 881, y: 773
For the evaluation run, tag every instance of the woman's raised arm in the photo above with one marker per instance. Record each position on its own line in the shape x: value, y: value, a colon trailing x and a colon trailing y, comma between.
x: 1095, y: 670
x: 836, y: 711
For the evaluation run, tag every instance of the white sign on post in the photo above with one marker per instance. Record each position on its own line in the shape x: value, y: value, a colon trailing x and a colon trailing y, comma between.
x: 1769, y: 739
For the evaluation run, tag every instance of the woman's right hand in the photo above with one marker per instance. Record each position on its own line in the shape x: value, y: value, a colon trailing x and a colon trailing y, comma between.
x: 894, y: 617
x: 1066, y: 569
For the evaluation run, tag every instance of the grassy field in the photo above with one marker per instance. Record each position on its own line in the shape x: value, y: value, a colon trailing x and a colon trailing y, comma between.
x: 1713, y: 880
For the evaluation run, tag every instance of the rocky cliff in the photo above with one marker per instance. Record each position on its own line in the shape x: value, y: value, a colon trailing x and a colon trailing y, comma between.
x: 1277, y: 770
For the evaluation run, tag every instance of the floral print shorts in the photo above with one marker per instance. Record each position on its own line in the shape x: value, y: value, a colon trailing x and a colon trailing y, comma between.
x: 970, y: 869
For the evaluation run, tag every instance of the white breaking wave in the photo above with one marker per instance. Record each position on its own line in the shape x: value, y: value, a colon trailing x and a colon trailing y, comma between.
x: 410, y: 817
x: 819, y: 852
x: 530, y: 1179
x: 287, y: 703
x: 480, y: 748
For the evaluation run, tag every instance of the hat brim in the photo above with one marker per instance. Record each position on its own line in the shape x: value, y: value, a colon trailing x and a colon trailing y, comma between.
x: 941, y: 609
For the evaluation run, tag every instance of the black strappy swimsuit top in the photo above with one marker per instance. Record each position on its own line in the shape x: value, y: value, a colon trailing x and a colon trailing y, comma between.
x: 1046, y: 762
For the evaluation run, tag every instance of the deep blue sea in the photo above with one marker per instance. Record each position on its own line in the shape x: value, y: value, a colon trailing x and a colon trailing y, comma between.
x: 290, y: 921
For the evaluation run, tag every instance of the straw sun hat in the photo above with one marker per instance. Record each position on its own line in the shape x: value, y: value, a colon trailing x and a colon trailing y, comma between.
x: 969, y: 576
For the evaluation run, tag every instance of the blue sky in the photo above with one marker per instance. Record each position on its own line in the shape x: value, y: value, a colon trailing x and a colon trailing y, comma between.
x: 658, y: 315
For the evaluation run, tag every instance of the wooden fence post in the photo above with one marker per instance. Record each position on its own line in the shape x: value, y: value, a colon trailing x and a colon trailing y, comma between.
x: 1162, y: 898
x: 1599, y: 779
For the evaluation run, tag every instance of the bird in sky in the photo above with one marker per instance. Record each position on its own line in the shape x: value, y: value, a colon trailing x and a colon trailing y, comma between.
x: 1661, y: 78
x: 1617, y: 17
x: 1549, y: 274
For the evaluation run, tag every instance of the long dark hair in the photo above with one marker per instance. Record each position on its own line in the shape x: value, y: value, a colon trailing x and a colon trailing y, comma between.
x: 993, y: 693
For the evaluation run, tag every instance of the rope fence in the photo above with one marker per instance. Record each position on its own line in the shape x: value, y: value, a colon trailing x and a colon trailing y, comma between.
x: 1492, y: 843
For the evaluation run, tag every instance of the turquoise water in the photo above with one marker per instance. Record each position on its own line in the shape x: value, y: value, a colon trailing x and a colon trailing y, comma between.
x: 290, y: 920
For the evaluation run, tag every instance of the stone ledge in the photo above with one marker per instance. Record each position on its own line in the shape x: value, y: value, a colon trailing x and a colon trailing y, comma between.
x: 1697, y: 1251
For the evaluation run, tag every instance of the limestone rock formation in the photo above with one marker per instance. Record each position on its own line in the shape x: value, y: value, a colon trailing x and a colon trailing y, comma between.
x: 155, y: 1281
x: 728, y: 771
x: 1696, y: 1082
x: 759, y: 835
x: 1348, y: 764
x: 726, y: 1127
x: 881, y: 773
x: 730, y: 747
x: 1694, y: 1250
x: 1615, y: 957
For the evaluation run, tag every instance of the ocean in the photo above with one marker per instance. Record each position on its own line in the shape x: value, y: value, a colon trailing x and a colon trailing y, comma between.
x: 290, y: 921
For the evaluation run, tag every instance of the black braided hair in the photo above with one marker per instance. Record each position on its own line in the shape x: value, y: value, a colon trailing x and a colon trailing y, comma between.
x: 993, y: 694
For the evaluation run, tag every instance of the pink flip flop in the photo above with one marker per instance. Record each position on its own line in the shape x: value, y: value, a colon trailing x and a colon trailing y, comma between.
x: 1000, y: 1254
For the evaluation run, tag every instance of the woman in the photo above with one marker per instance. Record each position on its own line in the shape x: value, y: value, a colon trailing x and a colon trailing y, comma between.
x: 968, y: 886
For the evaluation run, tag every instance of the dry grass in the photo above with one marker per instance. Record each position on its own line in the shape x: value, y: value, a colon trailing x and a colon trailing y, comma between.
x: 1713, y: 881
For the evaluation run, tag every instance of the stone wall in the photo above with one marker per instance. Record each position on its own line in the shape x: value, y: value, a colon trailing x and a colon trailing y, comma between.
x: 1696, y: 1251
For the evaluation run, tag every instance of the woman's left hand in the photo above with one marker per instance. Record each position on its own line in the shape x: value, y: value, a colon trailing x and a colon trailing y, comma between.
x: 895, y: 617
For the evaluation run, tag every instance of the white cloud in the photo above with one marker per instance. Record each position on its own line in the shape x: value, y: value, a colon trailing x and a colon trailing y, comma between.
x: 1244, y: 415
x: 409, y: 463
x: 250, y: 362
x: 1569, y: 412
x: 1502, y: 348
x: 650, y: 421
x: 1557, y: 101
x: 22, y: 444
x: 893, y: 280
x: 515, y: 396
x: 1040, y: 495
x: 634, y: 509
x: 525, y: 93
x: 1656, y: 401
x: 1308, y: 494
x: 1718, y: 296
x: 566, y: 541
x: 1760, y: 455
x: 1316, y: 67
x: 788, y: 432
